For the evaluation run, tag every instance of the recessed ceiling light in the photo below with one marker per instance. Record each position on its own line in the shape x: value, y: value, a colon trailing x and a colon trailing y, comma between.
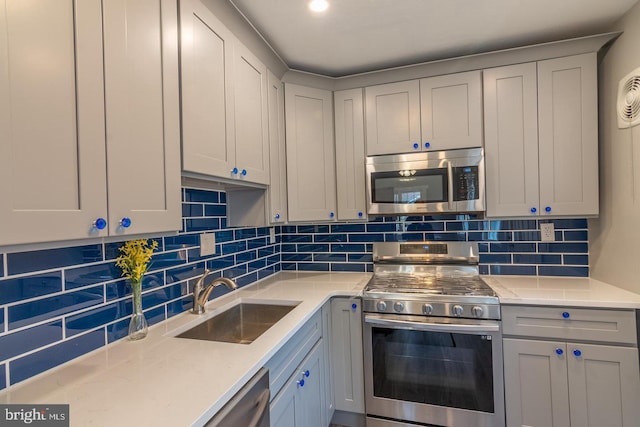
x: 318, y: 5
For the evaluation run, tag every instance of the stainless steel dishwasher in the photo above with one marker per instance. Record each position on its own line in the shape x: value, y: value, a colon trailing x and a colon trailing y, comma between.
x: 249, y: 407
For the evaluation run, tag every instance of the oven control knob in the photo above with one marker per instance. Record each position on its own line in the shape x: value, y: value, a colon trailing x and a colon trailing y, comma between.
x: 399, y: 307
x: 427, y: 309
x: 477, y: 311
x: 457, y: 310
x: 382, y: 306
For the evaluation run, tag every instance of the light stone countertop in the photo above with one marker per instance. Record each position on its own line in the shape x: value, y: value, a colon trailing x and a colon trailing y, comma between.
x: 561, y: 291
x: 162, y: 380
x: 167, y: 381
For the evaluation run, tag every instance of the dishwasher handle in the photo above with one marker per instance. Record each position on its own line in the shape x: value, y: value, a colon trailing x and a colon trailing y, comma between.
x: 261, y: 404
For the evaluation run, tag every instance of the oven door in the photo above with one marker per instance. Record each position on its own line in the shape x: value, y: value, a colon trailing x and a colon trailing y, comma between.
x: 439, y: 371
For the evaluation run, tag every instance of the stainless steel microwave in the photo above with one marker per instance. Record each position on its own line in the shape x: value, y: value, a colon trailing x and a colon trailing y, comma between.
x: 428, y: 182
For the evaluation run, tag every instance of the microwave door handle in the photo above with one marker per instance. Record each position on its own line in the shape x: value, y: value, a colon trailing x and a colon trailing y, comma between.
x: 450, y: 184
x: 434, y: 327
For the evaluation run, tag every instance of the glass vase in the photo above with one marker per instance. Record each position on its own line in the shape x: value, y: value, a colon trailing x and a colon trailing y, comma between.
x: 138, y: 326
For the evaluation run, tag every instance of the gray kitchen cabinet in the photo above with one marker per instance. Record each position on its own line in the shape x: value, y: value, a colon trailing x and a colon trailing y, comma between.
x: 277, y: 151
x: 536, y: 386
x: 311, y: 177
x: 393, y: 118
x: 300, y: 402
x: 435, y: 113
x: 451, y: 111
x: 86, y: 139
x: 347, y: 354
x: 142, y: 115
x: 329, y: 405
x: 224, y: 101
x: 350, y: 157
x: 554, y: 378
x: 541, y: 138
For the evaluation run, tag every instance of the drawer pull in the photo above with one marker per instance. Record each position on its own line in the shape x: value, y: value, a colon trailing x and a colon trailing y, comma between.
x: 566, y: 314
x: 559, y: 351
x: 300, y: 383
x: 577, y: 353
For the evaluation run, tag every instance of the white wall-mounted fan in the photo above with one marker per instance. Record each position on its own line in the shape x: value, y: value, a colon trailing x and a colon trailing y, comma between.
x: 628, y: 104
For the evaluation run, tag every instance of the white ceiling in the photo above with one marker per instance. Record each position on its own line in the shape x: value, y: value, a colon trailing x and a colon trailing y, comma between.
x: 355, y: 36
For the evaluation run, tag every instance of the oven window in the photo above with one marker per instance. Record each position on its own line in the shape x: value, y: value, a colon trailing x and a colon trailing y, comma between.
x: 410, y: 186
x: 437, y: 368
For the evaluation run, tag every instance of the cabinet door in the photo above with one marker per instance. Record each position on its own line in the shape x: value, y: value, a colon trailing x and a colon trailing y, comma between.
x: 207, y: 94
x: 277, y: 151
x: 283, y: 409
x: 300, y: 403
x: 511, y: 140
x: 52, y: 160
x: 327, y: 385
x: 346, y: 354
x: 604, y: 385
x: 568, y: 135
x: 350, y: 174
x: 536, y: 390
x: 451, y: 111
x: 251, y: 117
x: 311, y: 179
x: 393, y: 118
x: 143, y: 123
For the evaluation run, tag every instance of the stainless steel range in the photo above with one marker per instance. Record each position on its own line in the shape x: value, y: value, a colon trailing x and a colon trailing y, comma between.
x: 432, y: 338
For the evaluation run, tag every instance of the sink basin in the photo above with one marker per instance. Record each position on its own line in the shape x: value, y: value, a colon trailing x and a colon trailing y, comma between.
x: 241, y: 324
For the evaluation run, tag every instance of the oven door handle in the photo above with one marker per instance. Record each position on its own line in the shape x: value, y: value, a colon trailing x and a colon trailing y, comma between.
x: 450, y: 184
x: 435, y: 327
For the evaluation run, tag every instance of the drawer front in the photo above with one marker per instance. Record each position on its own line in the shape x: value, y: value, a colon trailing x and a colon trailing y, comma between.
x: 614, y: 326
x: 284, y: 362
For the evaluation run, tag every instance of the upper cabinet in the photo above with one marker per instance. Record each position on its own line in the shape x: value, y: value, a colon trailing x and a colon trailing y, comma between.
x: 277, y: 151
x: 56, y: 146
x: 311, y: 176
x: 393, y: 118
x: 224, y: 101
x: 143, y: 119
x: 349, y: 138
x: 451, y: 111
x: 541, y: 138
x: 436, y: 113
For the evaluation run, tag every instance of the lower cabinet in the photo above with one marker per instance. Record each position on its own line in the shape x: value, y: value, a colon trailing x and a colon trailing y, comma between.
x: 558, y: 384
x: 300, y: 403
x: 346, y: 354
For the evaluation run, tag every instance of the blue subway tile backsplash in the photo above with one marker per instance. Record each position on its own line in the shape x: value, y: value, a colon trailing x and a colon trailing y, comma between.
x: 57, y: 304
x: 28, y: 262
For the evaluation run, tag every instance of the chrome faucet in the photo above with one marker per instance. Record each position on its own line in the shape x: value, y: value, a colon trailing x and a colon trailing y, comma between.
x: 201, y: 293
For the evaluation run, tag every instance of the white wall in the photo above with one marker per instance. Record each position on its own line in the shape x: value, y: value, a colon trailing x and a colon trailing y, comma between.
x: 615, y: 235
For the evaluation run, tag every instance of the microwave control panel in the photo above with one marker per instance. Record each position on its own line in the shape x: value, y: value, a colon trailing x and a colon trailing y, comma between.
x: 465, y: 183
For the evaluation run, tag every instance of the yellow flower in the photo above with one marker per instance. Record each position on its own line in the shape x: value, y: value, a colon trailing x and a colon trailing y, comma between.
x: 135, y: 258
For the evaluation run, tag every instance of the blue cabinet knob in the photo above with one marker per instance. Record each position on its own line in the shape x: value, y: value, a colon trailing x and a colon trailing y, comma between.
x: 354, y: 306
x: 427, y: 144
x: 566, y: 314
x: 306, y: 373
x: 331, y: 215
x: 244, y: 172
x: 416, y: 145
x: 360, y: 214
x: 534, y: 210
x: 125, y: 222
x: 577, y: 353
x: 559, y: 351
x: 277, y: 216
x: 234, y: 171
x: 300, y: 383
x: 100, y: 223
x: 547, y: 209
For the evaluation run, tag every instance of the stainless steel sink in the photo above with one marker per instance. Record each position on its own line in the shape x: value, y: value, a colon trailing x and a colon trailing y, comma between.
x: 241, y: 324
